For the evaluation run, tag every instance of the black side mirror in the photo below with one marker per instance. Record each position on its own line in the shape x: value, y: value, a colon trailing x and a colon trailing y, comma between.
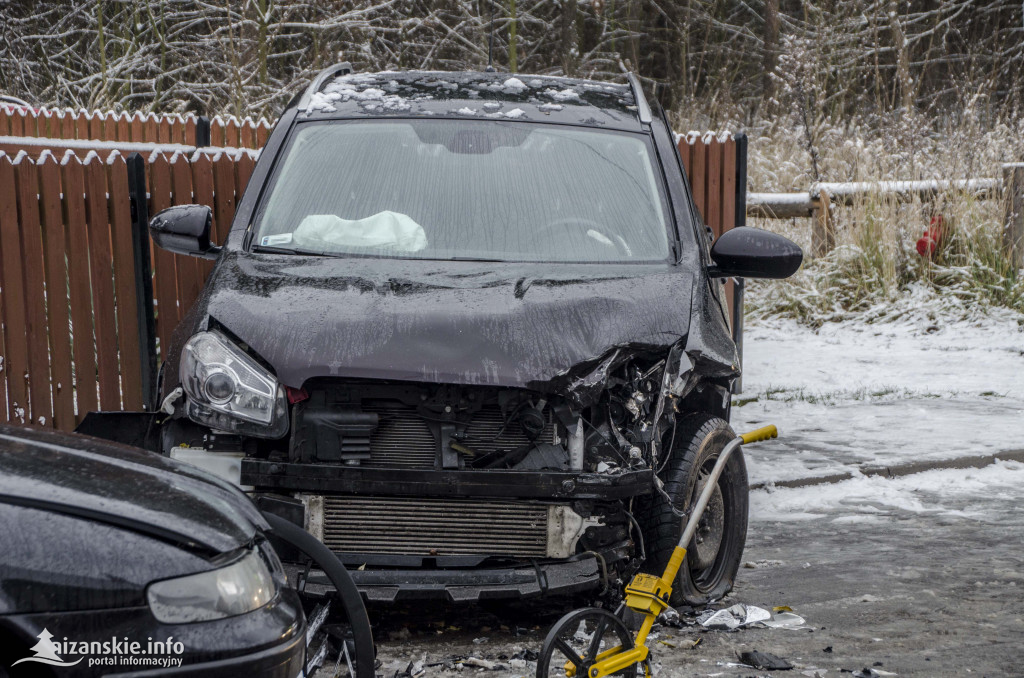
x: 184, y: 229
x: 747, y: 252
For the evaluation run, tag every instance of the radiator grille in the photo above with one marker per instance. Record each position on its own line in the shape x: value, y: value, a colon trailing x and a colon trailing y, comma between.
x: 435, y: 527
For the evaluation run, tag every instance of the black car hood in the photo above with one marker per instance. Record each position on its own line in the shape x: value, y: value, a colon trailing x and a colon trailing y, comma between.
x: 125, y: 486
x: 500, y: 324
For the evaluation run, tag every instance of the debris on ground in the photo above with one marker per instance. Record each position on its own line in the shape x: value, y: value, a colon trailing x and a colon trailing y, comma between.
x: 870, y: 673
x: 785, y: 620
x: 741, y: 615
x: 733, y: 617
x: 484, y: 664
x: 764, y: 660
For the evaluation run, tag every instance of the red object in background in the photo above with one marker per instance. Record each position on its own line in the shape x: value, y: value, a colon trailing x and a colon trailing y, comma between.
x: 929, y: 242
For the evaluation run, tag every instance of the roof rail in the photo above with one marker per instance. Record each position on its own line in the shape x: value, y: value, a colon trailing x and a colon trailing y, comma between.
x: 344, y: 68
x: 643, y: 110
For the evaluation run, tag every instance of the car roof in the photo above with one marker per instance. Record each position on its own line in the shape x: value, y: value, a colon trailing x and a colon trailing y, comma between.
x: 472, y: 95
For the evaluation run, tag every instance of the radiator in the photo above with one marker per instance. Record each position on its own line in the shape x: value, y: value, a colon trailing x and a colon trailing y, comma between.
x: 435, y: 527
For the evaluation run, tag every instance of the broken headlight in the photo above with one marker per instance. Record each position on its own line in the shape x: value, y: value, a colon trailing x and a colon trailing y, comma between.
x: 243, y: 586
x: 229, y: 391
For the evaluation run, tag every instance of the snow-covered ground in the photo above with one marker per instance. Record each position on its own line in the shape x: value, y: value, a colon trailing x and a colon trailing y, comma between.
x: 848, y: 395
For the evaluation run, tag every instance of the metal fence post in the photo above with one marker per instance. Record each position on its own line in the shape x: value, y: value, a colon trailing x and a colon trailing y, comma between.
x: 741, y: 220
x: 143, y: 277
x: 202, y: 131
x: 1013, y: 228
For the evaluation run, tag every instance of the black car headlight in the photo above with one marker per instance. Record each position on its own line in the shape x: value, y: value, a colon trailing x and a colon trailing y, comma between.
x: 229, y: 391
x: 242, y: 586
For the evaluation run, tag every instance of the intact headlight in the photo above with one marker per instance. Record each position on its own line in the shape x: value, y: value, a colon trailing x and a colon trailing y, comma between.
x: 228, y: 390
x: 243, y: 586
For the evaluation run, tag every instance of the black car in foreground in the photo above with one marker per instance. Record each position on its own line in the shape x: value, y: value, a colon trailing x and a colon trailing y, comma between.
x: 118, y: 561
x: 469, y: 329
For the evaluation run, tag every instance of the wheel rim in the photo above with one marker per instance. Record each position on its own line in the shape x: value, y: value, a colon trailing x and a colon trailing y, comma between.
x: 705, y: 553
x: 576, y: 640
x: 707, y: 540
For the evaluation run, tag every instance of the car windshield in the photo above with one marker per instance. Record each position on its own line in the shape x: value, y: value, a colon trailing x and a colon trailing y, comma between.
x: 477, y: 190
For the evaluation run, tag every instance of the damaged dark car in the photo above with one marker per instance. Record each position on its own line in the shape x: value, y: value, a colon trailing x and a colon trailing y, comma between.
x: 469, y: 330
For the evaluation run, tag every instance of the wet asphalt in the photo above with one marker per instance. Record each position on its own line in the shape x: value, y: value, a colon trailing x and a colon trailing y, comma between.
x: 925, y: 593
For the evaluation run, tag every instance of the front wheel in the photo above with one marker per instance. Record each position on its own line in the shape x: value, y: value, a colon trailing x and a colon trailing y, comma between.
x: 713, y: 555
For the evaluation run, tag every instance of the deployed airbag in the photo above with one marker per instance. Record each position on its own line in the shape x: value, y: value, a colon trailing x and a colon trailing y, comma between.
x: 385, y: 230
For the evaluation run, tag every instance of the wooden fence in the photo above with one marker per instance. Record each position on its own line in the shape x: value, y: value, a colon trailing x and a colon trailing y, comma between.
x: 716, y: 165
x: 173, y: 128
x: 69, y: 294
x: 73, y: 310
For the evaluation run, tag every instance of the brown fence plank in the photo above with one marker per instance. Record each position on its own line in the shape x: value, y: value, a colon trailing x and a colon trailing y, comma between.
x: 190, y: 277
x: 698, y: 177
x: 149, y: 128
x: 247, y: 134
x: 243, y: 172
x: 163, y: 130
x: 79, y: 284
x: 217, y: 132
x: 124, y: 127
x: 67, y: 124
x: 26, y: 177
x: 5, y: 121
x: 59, y: 318
x: 101, y: 270
x: 729, y: 184
x: 190, y: 130
x: 231, y: 132
x: 17, y: 123
x: 95, y: 125
x: 202, y: 189
x: 262, y: 133
x: 81, y: 124
x: 119, y: 206
x: 14, y: 311
x: 165, y: 277
x: 713, y: 214
x: 137, y: 124
x: 223, y: 194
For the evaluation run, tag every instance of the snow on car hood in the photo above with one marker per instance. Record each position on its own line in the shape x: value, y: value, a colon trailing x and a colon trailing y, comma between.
x: 486, y: 323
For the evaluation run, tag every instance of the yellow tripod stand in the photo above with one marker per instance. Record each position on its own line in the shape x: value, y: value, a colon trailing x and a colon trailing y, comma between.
x: 647, y: 594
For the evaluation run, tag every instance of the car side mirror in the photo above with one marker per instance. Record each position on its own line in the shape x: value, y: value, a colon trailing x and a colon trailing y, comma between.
x: 184, y: 229
x: 747, y: 252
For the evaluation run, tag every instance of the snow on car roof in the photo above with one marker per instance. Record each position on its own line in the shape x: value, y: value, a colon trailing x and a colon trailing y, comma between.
x: 494, y: 96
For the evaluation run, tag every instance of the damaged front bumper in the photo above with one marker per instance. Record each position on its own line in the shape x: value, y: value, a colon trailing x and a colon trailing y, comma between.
x: 464, y: 586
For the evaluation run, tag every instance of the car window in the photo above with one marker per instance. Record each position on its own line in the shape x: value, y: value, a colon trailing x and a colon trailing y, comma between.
x: 454, y: 189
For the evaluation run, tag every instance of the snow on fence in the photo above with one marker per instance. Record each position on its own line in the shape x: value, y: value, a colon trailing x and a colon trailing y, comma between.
x: 73, y: 337
x: 81, y: 328
x: 173, y: 128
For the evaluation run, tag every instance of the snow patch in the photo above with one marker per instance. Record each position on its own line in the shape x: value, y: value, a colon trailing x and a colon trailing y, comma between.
x: 513, y: 86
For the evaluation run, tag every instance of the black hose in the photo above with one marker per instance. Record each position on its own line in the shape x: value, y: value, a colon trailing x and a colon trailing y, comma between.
x: 362, y: 634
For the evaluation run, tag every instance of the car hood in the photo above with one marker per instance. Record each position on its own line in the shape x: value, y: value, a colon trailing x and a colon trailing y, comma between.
x: 125, y: 486
x: 485, y: 323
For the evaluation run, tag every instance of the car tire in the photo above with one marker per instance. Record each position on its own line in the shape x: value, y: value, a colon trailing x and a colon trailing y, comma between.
x: 710, y: 567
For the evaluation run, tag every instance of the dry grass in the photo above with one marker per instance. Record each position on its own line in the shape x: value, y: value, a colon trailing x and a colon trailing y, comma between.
x: 875, y: 272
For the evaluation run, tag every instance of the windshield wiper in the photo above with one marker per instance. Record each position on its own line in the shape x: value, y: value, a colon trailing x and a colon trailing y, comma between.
x: 283, y: 250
